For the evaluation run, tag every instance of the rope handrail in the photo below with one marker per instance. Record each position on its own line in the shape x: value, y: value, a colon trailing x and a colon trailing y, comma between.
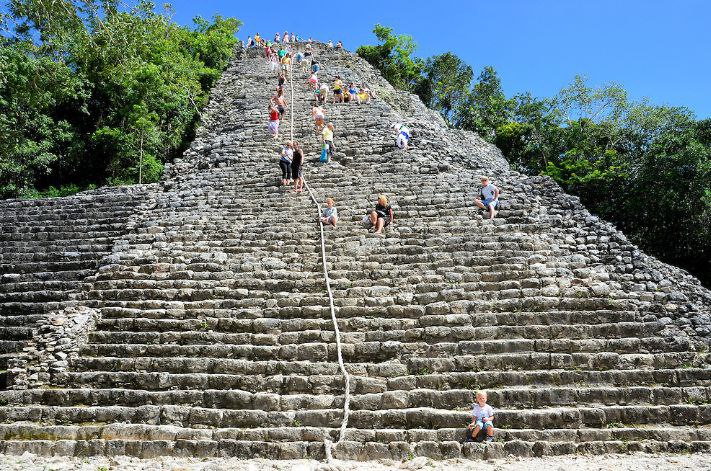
x: 346, y: 377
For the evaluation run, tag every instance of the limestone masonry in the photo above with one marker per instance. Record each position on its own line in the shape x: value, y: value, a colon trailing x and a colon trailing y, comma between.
x: 190, y: 317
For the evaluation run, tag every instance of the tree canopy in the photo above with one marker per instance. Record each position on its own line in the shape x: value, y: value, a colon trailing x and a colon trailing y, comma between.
x: 91, y: 94
x: 646, y: 168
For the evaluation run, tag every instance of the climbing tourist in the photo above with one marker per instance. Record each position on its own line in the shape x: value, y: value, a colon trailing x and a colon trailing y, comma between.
x: 315, y: 66
x: 319, y: 117
x: 330, y: 44
x: 329, y: 213
x: 382, y: 216
x: 327, y: 135
x: 286, y: 62
x: 337, y: 90
x: 287, y: 155
x: 293, y: 38
x: 482, y: 419
x: 299, y: 58
x: 274, y: 61
x: 250, y: 42
x: 282, y: 80
x: 273, y: 120
x: 313, y: 81
x: 268, y: 52
x: 488, y: 199
x: 307, y: 51
x: 280, y: 103
x: 402, y: 139
x: 277, y: 38
x: 258, y: 39
x: 297, y: 164
x: 322, y: 93
x: 339, y: 45
x: 286, y: 37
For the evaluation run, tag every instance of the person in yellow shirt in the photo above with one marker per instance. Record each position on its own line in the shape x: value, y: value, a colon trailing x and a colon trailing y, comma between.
x: 258, y: 39
x: 338, y: 90
x: 327, y: 135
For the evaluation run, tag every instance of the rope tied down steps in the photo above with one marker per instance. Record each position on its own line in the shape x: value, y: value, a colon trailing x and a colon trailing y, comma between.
x: 328, y: 444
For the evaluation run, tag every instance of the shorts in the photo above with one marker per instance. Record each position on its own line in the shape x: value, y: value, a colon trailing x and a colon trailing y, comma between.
x: 338, y: 92
x: 488, y: 201
x: 296, y: 172
x: 280, y: 109
x: 401, y: 141
x: 483, y: 425
x: 273, y: 126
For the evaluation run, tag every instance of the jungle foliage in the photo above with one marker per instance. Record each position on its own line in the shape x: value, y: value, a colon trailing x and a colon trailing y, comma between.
x: 646, y: 168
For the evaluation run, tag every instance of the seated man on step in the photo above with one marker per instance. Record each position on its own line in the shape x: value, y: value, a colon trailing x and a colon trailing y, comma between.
x: 488, y: 197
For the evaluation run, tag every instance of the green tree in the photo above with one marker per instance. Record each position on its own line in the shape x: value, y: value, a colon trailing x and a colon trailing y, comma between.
x: 446, y: 84
x: 485, y: 107
x: 394, y: 58
x: 94, y: 93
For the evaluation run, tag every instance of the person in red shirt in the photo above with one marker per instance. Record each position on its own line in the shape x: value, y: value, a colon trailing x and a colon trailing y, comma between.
x: 273, y: 120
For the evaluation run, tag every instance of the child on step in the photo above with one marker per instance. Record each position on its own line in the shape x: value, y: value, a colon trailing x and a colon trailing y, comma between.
x: 482, y: 419
x: 330, y: 213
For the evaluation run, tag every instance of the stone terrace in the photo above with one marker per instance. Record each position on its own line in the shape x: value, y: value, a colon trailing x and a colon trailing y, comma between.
x: 213, y: 334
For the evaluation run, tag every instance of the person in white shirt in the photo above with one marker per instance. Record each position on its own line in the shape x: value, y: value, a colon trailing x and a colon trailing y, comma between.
x: 482, y: 419
x: 488, y: 197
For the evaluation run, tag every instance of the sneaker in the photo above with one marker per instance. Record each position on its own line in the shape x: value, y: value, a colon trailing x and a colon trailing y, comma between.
x: 489, y: 439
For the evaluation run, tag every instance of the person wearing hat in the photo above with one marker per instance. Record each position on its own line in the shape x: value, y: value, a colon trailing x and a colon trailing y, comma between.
x: 488, y: 197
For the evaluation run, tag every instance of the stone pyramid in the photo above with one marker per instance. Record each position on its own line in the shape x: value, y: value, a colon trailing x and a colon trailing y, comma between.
x: 191, y: 317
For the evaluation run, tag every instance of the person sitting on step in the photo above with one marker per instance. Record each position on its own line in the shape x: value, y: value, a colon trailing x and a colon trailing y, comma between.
x: 353, y: 92
x: 488, y: 199
x: 329, y: 213
x: 382, y: 216
x: 402, y: 140
x: 297, y: 166
x: 339, y: 45
x: 363, y: 97
x: 482, y: 419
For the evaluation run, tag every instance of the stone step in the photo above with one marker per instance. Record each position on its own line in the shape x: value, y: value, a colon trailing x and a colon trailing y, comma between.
x: 413, y: 365
x: 427, y: 418
x: 379, y: 342
x: 513, y: 397
x: 233, y: 346
x: 333, y: 384
x: 346, y: 450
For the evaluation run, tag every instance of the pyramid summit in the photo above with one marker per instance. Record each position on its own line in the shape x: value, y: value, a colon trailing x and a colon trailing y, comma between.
x: 192, y: 317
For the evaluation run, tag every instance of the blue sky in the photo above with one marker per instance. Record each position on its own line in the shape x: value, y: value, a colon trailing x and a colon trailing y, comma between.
x: 655, y: 49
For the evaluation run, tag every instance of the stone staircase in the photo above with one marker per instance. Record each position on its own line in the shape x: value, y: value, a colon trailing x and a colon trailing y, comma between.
x: 47, y: 248
x: 213, y: 334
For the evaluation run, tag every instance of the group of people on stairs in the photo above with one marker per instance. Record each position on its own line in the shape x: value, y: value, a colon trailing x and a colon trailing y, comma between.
x: 291, y: 159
